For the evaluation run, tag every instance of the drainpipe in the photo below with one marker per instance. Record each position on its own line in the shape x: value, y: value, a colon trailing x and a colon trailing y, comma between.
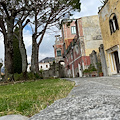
x: 73, y: 62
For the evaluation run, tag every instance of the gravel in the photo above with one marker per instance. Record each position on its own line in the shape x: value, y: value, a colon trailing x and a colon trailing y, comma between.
x: 13, y: 117
x: 90, y: 99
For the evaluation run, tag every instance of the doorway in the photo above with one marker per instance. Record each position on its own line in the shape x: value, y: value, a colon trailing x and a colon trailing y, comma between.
x: 73, y: 70
x: 117, y: 61
x: 80, y: 71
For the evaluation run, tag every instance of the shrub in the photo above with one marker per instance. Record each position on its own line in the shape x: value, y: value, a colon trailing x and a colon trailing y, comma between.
x: 30, y: 75
x: 90, y: 69
x: 18, y: 77
x: 86, y: 71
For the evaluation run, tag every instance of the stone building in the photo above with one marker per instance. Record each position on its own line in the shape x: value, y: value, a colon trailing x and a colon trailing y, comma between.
x: 80, y: 38
x: 109, y: 16
x: 58, y: 49
x: 44, y: 64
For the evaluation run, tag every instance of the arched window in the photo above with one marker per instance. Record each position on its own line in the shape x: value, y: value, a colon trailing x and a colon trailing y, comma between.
x: 113, y: 23
x: 111, y: 26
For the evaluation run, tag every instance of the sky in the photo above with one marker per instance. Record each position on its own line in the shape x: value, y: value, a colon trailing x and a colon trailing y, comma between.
x: 88, y: 8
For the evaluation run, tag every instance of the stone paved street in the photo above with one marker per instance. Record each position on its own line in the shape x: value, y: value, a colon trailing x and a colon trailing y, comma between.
x: 90, y: 99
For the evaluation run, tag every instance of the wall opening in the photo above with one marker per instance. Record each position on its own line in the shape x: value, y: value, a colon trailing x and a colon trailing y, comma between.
x: 117, y: 61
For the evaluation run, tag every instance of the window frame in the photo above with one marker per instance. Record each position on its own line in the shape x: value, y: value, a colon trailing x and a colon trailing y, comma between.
x: 73, y: 28
x: 60, y: 52
x: 113, y: 23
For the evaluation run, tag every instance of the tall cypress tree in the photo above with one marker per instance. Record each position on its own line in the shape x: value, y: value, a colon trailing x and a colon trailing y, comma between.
x: 17, y: 60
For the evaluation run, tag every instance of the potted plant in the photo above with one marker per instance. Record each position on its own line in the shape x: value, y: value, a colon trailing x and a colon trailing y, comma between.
x: 100, y: 69
x: 91, y: 71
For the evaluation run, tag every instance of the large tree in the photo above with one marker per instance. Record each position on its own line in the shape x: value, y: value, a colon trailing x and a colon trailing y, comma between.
x: 10, y: 10
x: 48, y: 12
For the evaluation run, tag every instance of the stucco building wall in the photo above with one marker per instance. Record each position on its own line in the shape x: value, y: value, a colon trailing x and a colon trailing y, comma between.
x: 91, y: 32
x: 111, y: 41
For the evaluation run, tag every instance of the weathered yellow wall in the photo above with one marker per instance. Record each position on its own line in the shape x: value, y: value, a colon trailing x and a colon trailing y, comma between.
x: 109, y: 41
x: 92, y: 34
x: 112, y: 6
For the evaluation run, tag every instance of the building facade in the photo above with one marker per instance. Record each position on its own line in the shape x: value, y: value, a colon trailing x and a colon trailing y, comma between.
x: 44, y: 64
x: 109, y: 16
x: 80, y: 38
x: 58, y: 49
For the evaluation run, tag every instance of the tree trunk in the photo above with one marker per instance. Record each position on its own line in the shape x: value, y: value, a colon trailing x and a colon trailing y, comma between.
x: 22, y: 51
x: 8, y: 41
x: 34, y: 57
x: 0, y: 71
x: 37, y: 59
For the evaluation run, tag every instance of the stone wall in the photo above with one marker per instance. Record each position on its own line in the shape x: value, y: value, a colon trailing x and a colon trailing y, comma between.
x: 103, y: 60
x: 56, y: 70
x: 94, y: 59
x: 92, y: 33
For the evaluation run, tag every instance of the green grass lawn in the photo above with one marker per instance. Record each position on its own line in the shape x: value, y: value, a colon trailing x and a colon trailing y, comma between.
x: 29, y: 98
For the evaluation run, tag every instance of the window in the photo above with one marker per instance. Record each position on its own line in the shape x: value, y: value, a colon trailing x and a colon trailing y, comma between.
x: 71, y: 55
x: 58, y: 53
x: 73, y: 30
x: 67, y: 59
x: 113, y: 23
x: 41, y: 67
x: 46, y: 66
x: 77, y: 49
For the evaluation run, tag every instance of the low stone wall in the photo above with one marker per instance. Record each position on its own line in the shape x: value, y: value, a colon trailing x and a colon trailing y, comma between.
x: 56, y: 70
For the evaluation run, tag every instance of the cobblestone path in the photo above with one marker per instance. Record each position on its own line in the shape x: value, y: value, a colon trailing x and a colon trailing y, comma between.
x: 90, y: 99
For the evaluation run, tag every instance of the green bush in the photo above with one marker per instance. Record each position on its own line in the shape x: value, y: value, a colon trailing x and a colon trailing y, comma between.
x: 30, y: 76
x: 18, y: 77
x: 90, y: 69
x: 86, y: 71
x: 37, y: 76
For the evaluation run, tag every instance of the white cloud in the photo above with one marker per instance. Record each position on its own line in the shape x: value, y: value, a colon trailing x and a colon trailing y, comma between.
x: 88, y: 8
x: 27, y: 38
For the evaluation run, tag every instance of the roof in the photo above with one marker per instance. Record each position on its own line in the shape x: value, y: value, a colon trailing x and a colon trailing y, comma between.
x: 104, y: 3
x: 47, y: 60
